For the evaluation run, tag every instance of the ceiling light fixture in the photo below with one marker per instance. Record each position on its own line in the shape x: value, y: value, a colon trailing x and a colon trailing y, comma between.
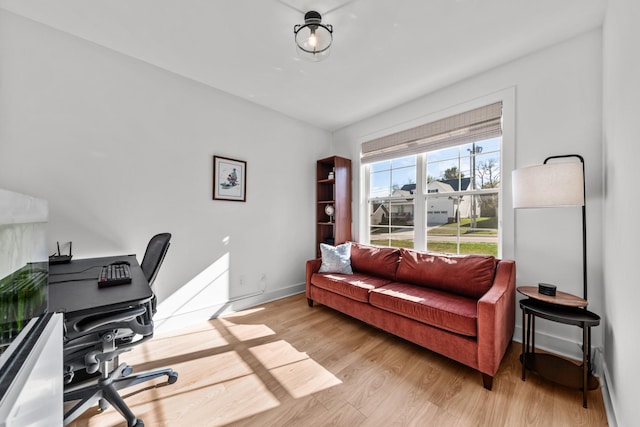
x: 313, y: 38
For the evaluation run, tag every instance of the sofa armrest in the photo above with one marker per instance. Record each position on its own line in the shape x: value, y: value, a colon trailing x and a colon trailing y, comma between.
x: 496, y: 318
x: 313, y: 266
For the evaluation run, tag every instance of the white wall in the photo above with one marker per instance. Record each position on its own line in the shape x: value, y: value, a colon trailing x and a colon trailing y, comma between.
x: 123, y: 150
x: 622, y: 235
x: 558, y: 97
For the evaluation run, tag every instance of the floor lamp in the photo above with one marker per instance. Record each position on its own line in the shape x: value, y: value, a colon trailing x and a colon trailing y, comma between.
x: 556, y: 184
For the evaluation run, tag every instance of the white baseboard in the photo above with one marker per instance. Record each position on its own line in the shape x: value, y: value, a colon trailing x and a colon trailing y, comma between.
x: 606, y: 395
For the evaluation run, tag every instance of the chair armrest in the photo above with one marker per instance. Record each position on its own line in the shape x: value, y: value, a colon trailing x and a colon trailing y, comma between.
x: 496, y: 318
x: 313, y: 266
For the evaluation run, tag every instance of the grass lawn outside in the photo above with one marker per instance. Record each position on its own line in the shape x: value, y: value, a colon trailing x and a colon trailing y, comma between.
x: 484, y: 226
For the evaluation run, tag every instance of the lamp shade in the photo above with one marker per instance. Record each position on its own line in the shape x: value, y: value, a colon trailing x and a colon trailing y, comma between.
x: 548, y: 185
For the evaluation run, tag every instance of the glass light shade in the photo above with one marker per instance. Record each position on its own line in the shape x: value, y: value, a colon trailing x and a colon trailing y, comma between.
x: 548, y: 185
x: 313, y: 38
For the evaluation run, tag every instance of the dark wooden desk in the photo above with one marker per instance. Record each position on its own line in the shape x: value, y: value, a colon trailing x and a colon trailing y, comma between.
x: 74, y: 291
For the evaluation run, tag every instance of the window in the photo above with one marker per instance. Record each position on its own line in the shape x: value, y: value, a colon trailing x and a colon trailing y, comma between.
x: 462, y: 212
x: 444, y: 198
x: 391, y: 202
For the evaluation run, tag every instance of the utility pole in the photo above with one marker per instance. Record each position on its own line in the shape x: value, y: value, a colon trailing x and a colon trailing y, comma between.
x: 472, y: 154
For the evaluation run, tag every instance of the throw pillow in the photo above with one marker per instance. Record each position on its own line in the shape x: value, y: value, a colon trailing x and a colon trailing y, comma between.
x: 336, y: 259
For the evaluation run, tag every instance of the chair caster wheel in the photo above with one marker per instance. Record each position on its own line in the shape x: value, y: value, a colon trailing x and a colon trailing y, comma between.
x: 128, y: 370
x: 172, y: 378
x: 103, y: 405
x: 138, y: 423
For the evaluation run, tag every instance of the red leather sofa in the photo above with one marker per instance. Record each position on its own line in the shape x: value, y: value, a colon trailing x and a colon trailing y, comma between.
x: 462, y: 307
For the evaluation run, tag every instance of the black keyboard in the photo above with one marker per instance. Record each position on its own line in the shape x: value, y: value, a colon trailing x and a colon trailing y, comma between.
x: 114, y: 274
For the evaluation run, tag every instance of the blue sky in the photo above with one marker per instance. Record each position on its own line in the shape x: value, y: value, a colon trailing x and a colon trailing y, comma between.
x: 398, y: 172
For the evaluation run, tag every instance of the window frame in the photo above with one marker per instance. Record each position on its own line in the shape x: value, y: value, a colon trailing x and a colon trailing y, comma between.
x: 506, y: 225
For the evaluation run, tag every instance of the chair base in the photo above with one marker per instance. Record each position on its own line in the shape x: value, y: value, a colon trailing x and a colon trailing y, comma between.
x: 105, y: 392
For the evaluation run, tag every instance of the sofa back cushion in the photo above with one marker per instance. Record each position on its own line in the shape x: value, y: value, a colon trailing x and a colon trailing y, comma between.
x: 381, y: 262
x: 467, y: 275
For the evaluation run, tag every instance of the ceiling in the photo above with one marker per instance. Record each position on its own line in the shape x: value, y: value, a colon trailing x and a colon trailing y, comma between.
x: 385, y: 52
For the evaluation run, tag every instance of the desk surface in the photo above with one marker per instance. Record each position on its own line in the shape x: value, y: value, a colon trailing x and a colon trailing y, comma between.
x: 73, y: 287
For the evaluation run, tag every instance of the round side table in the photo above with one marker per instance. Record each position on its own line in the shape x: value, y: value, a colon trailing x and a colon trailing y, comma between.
x: 562, y: 308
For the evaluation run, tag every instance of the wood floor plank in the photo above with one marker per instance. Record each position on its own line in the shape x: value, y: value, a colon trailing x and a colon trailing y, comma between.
x: 286, y: 364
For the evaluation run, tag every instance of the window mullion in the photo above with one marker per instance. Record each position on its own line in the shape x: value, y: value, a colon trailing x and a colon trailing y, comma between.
x: 419, y: 204
x: 366, y: 230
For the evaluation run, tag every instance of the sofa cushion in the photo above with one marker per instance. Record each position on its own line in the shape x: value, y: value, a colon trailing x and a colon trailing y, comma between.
x: 355, y: 286
x: 336, y: 259
x: 443, y: 310
x: 381, y: 262
x: 466, y: 275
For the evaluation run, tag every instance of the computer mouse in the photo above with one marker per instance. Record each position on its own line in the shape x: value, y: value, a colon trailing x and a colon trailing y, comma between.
x: 120, y: 263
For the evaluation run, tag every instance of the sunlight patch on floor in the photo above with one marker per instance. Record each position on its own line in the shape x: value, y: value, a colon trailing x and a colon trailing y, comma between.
x: 223, y: 378
x: 295, y: 371
x: 176, y: 346
x: 247, y: 332
x: 209, y: 395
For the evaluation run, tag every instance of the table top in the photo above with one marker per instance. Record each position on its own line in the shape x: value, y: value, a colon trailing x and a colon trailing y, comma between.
x: 560, y: 313
x: 561, y: 298
x: 73, y: 287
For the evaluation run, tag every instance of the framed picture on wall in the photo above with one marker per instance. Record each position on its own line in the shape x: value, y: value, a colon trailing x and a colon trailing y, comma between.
x: 229, y: 179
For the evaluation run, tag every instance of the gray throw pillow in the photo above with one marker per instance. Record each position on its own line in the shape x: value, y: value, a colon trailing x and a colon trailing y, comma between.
x: 336, y: 259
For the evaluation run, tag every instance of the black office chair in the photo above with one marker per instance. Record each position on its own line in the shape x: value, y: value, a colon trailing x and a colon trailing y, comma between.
x: 93, y: 344
x: 153, y: 258
x: 154, y: 255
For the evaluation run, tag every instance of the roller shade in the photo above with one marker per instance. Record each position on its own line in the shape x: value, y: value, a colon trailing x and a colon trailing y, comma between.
x: 474, y: 125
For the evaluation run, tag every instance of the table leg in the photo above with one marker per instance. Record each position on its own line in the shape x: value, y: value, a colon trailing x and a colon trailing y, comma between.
x: 589, y: 348
x: 525, y: 335
x: 585, y: 362
x: 532, y: 331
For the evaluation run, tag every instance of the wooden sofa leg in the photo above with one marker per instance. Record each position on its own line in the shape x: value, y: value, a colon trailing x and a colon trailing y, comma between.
x: 310, y: 302
x: 487, y: 381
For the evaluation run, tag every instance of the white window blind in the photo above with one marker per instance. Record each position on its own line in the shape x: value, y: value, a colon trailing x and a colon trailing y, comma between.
x: 474, y: 125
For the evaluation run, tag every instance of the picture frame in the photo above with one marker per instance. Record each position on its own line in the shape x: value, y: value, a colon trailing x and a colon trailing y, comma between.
x: 229, y: 179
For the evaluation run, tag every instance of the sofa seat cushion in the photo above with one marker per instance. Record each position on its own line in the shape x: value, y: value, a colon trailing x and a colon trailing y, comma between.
x: 355, y: 286
x: 443, y: 310
x: 466, y: 275
x: 373, y: 260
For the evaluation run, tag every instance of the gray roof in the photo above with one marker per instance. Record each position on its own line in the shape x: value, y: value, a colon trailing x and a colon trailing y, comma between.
x: 452, y: 182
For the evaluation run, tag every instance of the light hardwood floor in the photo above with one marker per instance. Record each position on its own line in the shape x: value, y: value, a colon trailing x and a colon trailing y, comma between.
x: 285, y: 364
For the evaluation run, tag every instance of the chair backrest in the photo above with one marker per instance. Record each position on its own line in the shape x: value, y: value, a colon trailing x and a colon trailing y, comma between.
x: 154, y: 255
